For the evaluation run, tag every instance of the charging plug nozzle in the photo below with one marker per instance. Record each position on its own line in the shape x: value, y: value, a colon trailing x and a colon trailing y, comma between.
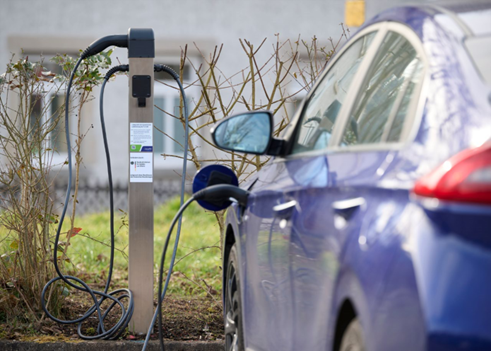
x: 139, y: 41
x: 221, y: 193
x: 120, y: 68
x: 104, y: 42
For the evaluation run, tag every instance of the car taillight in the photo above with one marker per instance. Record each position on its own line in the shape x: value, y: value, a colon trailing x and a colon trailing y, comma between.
x: 466, y: 177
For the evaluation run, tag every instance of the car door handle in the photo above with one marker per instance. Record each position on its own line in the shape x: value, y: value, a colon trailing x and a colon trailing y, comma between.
x: 284, y: 211
x: 346, y: 208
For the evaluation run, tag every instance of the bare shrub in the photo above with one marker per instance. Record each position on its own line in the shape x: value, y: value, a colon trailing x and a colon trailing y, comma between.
x: 276, y: 83
x: 32, y: 137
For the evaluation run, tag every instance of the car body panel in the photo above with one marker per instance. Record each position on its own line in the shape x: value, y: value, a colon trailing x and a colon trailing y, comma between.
x: 417, y: 280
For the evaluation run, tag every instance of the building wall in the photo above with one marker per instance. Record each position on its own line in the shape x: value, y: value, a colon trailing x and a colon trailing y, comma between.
x: 58, y: 26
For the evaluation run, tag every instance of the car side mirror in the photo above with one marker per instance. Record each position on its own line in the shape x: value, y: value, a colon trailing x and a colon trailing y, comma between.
x: 248, y: 132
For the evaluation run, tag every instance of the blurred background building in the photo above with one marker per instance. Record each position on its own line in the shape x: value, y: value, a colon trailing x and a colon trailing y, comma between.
x: 46, y: 28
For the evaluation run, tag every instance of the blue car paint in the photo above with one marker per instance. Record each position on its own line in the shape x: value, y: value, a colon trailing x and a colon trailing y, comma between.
x: 415, y: 282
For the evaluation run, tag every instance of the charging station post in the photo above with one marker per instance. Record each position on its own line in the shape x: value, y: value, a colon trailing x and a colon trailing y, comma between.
x: 141, y: 53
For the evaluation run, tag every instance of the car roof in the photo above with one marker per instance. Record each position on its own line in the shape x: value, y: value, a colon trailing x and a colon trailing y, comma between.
x: 472, y: 17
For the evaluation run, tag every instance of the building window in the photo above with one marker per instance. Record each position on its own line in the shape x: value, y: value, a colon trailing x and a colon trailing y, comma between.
x: 47, y: 114
x: 168, y: 136
x: 47, y: 123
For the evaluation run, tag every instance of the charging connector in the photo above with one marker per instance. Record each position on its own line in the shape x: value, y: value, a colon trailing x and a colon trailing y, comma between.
x: 104, y: 42
x: 221, y: 193
x: 139, y: 41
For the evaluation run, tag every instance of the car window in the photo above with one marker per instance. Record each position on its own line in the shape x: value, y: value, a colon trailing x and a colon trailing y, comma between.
x: 479, y: 49
x: 319, y: 114
x: 383, y: 100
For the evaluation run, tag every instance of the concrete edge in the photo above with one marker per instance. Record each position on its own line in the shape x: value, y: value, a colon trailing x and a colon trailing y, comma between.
x: 8, y: 345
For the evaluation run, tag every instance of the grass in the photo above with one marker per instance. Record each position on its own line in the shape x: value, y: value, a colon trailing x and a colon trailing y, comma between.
x: 198, y: 263
x: 192, y: 308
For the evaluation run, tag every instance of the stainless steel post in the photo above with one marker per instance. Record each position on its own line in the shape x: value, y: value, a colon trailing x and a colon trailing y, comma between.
x: 141, y: 53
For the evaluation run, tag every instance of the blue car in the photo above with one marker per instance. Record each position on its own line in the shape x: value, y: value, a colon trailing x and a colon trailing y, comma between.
x: 370, y: 228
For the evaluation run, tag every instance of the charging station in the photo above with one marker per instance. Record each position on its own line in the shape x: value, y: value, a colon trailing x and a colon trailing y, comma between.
x: 214, y: 188
x: 138, y: 313
x: 141, y: 53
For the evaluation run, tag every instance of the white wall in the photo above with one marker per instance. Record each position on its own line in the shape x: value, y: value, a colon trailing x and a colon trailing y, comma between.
x: 60, y: 25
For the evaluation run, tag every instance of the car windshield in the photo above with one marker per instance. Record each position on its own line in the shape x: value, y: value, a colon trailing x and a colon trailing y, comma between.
x: 479, y: 49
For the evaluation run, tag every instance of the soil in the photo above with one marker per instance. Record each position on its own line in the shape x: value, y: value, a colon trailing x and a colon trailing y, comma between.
x: 184, y: 317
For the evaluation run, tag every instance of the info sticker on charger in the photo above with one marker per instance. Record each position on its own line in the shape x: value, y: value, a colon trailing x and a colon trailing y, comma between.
x: 141, y: 167
x: 141, y: 137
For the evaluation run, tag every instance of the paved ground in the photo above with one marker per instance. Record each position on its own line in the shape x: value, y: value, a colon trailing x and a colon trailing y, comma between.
x: 111, y: 346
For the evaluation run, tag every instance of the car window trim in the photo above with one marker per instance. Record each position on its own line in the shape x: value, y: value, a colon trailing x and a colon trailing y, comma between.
x: 354, y: 90
x: 371, y: 52
x: 414, y: 114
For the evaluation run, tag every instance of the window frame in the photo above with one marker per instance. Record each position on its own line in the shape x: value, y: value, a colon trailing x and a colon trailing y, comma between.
x: 413, y: 117
x: 168, y: 122
x: 414, y: 114
x: 57, y: 158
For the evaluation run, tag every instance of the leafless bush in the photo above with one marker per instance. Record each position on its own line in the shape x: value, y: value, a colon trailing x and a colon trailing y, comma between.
x: 275, y: 83
x: 31, y: 139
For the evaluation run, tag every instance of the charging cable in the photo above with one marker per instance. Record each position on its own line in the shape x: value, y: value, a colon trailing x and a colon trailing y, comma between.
x: 116, y: 296
x: 119, y: 295
x: 212, y: 194
x: 161, y: 294
x: 215, y: 194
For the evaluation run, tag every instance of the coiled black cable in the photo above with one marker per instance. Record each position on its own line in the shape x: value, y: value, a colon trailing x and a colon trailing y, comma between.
x: 116, y: 296
x: 117, y: 330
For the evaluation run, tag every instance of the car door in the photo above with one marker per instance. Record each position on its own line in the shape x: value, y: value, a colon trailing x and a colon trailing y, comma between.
x: 341, y: 188
x: 268, y: 315
x: 273, y: 220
